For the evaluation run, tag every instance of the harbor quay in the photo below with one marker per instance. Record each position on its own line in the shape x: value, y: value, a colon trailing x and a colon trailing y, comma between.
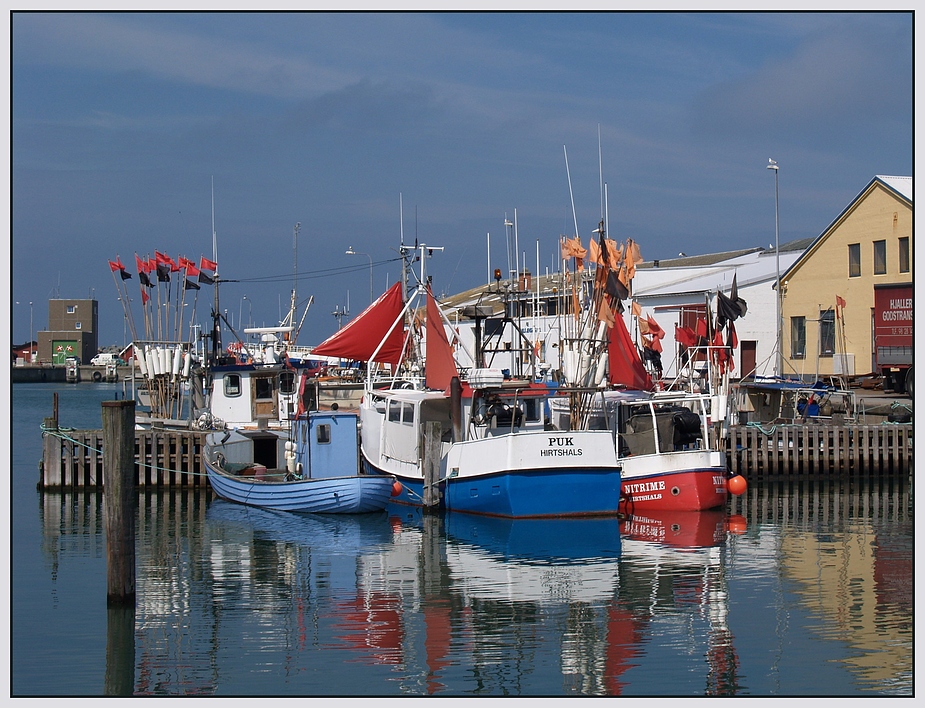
x: 872, y: 447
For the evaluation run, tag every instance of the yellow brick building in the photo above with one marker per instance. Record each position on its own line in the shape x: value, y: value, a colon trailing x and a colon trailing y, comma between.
x: 869, y: 244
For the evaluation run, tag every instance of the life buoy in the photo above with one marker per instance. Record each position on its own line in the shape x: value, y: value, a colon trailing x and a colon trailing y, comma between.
x: 97, y: 376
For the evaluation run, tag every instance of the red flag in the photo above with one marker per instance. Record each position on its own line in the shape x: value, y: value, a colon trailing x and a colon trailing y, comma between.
x: 144, y: 297
x: 184, y: 262
x: 732, y: 341
x: 720, y: 355
x: 116, y: 265
x: 302, y: 408
x: 701, y: 328
x: 840, y: 302
x: 440, y: 366
x: 191, y: 269
x: 654, y: 329
x: 206, y: 264
x: 162, y: 258
x: 653, y: 343
x: 685, y: 336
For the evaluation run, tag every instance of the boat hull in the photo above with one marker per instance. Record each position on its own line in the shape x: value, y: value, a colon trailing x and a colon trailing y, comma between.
x: 537, y: 493
x: 523, y: 494
x: 335, y: 495
x: 674, y: 481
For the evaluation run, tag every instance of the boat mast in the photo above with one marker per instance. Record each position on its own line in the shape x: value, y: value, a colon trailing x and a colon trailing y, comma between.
x: 290, y: 318
x: 216, y: 322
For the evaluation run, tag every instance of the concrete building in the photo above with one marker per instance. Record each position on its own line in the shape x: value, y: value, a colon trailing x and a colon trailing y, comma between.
x: 73, y: 330
x: 869, y: 244
x: 677, y: 292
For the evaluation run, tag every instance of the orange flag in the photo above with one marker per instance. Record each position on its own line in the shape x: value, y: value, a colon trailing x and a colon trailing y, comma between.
x: 605, y: 314
x: 594, y: 253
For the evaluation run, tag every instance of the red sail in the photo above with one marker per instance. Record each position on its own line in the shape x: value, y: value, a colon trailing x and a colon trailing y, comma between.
x: 625, y: 365
x: 440, y: 367
x: 361, y: 337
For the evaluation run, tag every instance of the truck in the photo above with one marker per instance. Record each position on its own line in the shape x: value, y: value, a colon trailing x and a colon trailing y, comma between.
x: 893, y: 335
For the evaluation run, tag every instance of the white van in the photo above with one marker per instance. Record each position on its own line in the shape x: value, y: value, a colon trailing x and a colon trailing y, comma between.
x: 104, y: 358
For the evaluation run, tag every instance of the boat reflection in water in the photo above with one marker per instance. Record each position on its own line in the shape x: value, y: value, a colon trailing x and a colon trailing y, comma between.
x: 406, y: 603
x: 345, y: 535
x: 673, y: 565
x: 681, y: 529
x: 561, y: 560
x: 314, y: 558
x: 499, y: 597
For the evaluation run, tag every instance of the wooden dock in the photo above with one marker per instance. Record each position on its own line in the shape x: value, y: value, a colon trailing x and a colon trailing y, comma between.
x: 165, y: 458
x: 783, y: 451
x: 73, y: 459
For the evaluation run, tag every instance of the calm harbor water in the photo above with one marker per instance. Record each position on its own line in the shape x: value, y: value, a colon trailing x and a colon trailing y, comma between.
x: 797, y: 590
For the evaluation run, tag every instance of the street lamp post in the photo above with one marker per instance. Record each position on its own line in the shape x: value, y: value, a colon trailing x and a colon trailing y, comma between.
x: 250, y: 312
x: 31, y: 340
x: 351, y: 252
x: 772, y: 165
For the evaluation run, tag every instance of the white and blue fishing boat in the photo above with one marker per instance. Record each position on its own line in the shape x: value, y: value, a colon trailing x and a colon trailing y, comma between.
x: 313, y: 467
x: 476, y: 443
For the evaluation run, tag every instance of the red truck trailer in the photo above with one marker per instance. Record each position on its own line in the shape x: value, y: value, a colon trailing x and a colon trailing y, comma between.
x: 893, y: 335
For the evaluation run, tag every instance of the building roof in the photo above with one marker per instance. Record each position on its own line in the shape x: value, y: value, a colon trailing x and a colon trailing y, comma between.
x: 674, y: 276
x: 901, y: 186
x: 685, y: 261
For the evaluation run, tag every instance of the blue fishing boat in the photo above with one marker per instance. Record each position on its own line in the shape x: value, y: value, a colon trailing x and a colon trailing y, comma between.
x: 313, y: 467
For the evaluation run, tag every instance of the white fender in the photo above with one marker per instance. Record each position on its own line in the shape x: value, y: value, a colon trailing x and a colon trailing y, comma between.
x: 153, y: 360
x: 142, y: 364
x: 177, y: 358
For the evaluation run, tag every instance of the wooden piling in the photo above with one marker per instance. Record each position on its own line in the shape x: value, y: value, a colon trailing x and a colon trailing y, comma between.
x: 431, y: 460
x: 120, y: 500
x: 119, y: 679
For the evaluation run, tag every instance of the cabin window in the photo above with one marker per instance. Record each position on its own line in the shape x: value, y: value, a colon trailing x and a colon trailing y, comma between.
x: 827, y: 333
x: 287, y: 382
x: 263, y: 388
x: 797, y: 337
x: 233, y: 385
x: 323, y: 434
x: 407, y: 415
x: 879, y: 257
x: 904, y: 254
x: 854, y: 260
x: 394, y: 412
x: 531, y: 409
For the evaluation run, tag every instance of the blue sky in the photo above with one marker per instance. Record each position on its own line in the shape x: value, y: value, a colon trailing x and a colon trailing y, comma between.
x: 122, y: 123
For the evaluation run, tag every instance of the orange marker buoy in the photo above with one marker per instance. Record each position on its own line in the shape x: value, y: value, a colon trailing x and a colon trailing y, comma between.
x: 736, y: 524
x: 736, y: 485
x: 396, y: 488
